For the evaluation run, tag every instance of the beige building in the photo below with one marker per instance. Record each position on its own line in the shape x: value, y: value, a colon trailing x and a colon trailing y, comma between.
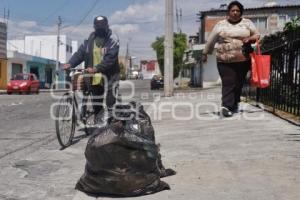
x: 3, y: 55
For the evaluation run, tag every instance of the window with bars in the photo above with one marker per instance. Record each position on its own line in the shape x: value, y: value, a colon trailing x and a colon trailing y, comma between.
x: 260, y: 23
x: 281, y: 21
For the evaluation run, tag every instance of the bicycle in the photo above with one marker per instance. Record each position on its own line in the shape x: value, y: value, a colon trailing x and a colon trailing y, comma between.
x: 67, y: 113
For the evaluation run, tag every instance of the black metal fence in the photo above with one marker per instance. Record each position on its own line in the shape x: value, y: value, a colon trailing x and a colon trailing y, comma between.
x: 284, y: 92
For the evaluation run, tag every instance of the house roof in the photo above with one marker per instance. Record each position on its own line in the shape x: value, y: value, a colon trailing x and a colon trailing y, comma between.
x: 214, y: 11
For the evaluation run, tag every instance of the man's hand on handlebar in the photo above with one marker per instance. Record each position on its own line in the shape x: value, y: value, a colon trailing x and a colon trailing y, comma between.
x: 67, y: 66
x: 91, y: 70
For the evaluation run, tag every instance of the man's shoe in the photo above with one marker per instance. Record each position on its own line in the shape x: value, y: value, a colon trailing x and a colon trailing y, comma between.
x: 235, y: 110
x: 225, y: 112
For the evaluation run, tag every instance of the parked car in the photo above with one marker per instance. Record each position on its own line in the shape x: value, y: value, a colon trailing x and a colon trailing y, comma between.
x: 23, y: 82
x: 156, y: 82
x: 132, y: 76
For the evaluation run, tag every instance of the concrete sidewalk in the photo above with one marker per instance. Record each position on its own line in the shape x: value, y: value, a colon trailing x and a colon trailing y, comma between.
x: 251, y: 156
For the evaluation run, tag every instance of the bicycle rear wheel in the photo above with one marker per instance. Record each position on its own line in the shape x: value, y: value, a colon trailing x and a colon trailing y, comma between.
x: 65, y: 120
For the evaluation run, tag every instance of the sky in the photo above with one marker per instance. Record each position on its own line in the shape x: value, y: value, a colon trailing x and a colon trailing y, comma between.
x: 136, y: 22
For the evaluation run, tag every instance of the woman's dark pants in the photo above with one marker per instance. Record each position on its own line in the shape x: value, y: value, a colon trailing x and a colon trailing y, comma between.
x: 233, y: 76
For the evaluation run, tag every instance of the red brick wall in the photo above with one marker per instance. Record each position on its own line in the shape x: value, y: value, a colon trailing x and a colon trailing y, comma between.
x: 211, y: 22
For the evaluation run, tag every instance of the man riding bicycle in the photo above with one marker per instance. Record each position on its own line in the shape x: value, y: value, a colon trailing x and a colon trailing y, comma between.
x: 100, y: 55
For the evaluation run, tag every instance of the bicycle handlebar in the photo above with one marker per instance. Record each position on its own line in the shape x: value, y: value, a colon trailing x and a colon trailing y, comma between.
x: 76, y: 70
x: 70, y: 69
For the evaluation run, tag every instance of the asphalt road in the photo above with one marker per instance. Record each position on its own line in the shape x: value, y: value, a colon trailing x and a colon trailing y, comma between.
x: 27, y: 128
x: 25, y: 119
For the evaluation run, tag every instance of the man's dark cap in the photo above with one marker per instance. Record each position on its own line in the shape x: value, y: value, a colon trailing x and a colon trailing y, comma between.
x: 100, y: 22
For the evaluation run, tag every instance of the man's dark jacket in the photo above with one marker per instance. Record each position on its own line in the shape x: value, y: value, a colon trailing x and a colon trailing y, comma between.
x: 110, y: 62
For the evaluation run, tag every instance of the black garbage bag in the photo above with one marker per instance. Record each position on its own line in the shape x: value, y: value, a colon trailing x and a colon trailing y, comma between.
x: 122, y: 159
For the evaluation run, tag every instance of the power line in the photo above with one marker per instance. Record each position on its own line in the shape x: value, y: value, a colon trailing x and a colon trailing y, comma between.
x: 27, y: 18
x: 85, y: 16
x: 56, y: 10
x: 41, y: 39
x: 80, y: 22
x: 41, y: 22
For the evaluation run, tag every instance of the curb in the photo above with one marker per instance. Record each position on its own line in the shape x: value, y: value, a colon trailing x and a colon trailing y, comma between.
x: 2, y: 92
x: 195, y: 89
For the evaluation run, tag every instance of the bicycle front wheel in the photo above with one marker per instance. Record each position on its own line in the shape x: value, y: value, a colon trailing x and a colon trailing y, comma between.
x: 65, y: 120
x: 88, y: 117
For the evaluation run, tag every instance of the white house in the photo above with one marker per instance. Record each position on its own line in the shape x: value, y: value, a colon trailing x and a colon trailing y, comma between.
x: 16, y: 63
x: 44, y: 46
x: 43, y: 49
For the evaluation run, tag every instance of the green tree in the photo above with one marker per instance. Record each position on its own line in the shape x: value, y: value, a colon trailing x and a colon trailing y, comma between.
x: 294, y: 24
x: 180, y: 45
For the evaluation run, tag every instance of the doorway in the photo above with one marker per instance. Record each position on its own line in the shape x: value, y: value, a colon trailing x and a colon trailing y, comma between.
x: 35, y: 70
x: 48, y: 77
x: 16, y: 69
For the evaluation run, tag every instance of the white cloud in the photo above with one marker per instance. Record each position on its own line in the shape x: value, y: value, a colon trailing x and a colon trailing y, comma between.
x: 78, y: 32
x: 27, y: 24
x: 17, y: 30
x: 139, y: 13
x: 138, y: 25
x: 125, y: 29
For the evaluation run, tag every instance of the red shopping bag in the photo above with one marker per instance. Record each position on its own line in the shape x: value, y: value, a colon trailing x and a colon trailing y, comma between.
x: 260, y: 69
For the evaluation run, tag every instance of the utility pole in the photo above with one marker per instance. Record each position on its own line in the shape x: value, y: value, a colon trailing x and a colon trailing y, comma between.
x: 198, y: 73
x: 130, y: 67
x: 177, y: 17
x: 127, y: 60
x: 180, y: 24
x: 168, y: 55
x: 40, y: 48
x: 59, y: 22
x: 6, y: 16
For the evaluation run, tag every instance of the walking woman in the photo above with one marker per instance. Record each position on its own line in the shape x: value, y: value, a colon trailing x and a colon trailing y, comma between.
x: 233, y: 36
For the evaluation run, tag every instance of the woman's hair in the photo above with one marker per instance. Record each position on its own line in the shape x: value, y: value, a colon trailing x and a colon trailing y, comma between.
x: 236, y: 3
